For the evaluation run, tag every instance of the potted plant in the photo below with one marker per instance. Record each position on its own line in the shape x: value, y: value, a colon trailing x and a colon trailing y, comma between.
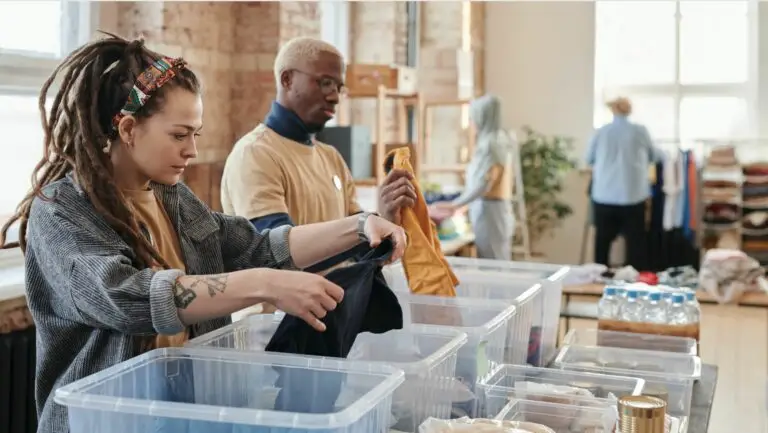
x: 545, y: 160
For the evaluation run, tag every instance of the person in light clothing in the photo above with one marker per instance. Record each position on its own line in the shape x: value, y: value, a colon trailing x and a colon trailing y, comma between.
x: 620, y: 154
x: 488, y: 184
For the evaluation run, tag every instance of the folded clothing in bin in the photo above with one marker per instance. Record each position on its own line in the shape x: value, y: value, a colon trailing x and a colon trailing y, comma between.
x: 368, y: 306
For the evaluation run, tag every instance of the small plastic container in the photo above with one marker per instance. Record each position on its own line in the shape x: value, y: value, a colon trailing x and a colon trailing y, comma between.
x: 534, y: 288
x: 204, y: 391
x: 670, y: 376
x: 485, y: 323
x: 543, y: 339
x: 557, y: 417
x: 524, y: 382
x: 630, y: 340
x: 527, y: 299
x: 426, y: 354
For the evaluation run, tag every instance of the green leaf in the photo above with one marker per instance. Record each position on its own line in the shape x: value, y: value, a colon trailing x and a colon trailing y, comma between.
x: 545, y: 160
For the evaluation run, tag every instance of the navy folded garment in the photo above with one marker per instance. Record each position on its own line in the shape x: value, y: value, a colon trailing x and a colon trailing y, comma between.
x: 368, y: 306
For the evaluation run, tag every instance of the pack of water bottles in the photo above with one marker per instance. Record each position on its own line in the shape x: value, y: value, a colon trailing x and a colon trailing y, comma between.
x: 641, y: 303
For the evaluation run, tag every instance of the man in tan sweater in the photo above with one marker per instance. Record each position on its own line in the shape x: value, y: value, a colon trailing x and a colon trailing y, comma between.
x: 279, y: 173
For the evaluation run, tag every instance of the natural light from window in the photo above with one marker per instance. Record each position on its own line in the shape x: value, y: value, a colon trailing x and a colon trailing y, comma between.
x: 22, y: 147
x: 685, y: 66
x: 31, y: 26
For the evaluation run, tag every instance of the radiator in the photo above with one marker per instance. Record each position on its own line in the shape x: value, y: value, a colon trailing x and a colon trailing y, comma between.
x: 17, y: 382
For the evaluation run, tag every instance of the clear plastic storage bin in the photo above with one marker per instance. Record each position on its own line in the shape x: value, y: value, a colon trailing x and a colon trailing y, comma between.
x: 630, y: 340
x: 485, y: 323
x: 670, y: 376
x: 525, y: 382
x: 527, y: 299
x: 426, y: 354
x: 204, y: 391
x: 534, y: 330
x: 543, y: 340
x: 559, y: 417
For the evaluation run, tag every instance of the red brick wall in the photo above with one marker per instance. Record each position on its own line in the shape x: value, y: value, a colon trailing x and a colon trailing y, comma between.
x: 232, y: 47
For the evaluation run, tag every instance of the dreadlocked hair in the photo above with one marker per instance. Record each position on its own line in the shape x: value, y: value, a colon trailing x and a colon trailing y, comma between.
x: 95, y: 81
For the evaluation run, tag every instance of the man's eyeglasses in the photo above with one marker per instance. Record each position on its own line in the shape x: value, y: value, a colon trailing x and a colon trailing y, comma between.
x: 327, y: 85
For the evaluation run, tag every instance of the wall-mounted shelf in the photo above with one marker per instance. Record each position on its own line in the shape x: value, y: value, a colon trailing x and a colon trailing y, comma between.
x: 402, y: 102
x: 427, y: 140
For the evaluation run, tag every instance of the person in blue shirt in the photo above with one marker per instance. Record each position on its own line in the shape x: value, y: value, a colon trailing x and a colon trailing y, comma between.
x: 620, y: 154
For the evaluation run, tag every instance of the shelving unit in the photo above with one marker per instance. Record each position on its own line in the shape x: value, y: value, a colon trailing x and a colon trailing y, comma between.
x: 457, y: 168
x: 380, y: 146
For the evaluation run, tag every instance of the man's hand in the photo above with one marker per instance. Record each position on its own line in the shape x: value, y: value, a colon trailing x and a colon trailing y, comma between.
x: 395, y: 193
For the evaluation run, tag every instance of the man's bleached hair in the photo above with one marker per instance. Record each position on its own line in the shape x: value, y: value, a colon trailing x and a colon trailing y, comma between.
x: 298, y: 52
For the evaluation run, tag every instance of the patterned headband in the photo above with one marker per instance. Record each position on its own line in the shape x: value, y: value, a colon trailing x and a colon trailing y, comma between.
x: 153, y: 78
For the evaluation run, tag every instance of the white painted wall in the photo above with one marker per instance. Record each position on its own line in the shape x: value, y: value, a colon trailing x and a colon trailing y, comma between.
x: 762, y: 69
x: 539, y: 60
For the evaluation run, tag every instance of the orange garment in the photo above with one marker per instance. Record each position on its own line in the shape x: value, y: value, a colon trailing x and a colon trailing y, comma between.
x: 426, y: 269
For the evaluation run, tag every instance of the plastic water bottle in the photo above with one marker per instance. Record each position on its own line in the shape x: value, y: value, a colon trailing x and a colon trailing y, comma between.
x: 692, y: 306
x: 666, y: 298
x: 655, y: 310
x: 607, y: 308
x: 632, y: 310
x: 677, y: 313
x: 621, y: 298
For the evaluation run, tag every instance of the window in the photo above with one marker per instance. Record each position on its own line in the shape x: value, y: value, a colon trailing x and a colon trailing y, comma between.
x: 684, y: 63
x: 334, y: 29
x: 33, y: 38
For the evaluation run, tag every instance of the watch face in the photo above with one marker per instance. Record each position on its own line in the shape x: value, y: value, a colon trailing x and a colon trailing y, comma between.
x: 337, y: 182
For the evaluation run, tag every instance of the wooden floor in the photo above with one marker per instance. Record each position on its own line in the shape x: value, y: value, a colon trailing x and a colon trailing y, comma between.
x: 736, y: 340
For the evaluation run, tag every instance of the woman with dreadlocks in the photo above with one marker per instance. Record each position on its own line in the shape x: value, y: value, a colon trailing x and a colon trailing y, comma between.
x: 120, y: 256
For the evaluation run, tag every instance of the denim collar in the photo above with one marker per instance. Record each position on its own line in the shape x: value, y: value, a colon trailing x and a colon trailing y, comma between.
x: 287, y: 124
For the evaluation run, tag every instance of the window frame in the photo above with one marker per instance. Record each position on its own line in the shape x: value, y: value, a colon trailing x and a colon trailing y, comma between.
x: 334, y: 29
x: 678, y: 91
x: 24, y: 72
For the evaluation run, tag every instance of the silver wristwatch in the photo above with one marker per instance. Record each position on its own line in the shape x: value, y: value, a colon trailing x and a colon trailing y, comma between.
x: 361, y: 219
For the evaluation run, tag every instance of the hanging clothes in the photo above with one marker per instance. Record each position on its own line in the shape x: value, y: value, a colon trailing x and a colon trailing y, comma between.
x: 369, y: 305
x: 426, y: 269
x: 671, y: 232
x: 673, y: 190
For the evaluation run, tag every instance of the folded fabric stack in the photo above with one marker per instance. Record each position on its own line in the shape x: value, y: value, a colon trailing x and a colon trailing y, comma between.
x: 755, y: 220
x: 721, y: 195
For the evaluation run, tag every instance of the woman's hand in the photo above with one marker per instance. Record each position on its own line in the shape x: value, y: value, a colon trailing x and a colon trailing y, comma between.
x: 441, y: 211
x: 377, y: 228
x: 304, y: 295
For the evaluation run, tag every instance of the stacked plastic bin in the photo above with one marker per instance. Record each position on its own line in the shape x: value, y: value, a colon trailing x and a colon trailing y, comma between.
x: 485, y: 323
x: 523, y: 382
x: 427, y: 355
x: 629, y: 340
x: 204, y: 391
x: 534, y: 288
x: 668, y: 374
x: 531, y: 415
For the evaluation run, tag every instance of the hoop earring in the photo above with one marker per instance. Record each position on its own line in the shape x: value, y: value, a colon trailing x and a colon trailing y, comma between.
x: 106, y: 148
